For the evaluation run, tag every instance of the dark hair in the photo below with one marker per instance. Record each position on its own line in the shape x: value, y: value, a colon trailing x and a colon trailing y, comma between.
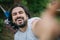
x: 18, y: 5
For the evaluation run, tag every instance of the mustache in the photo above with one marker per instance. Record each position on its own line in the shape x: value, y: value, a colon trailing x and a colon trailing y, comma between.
x: 19, y: 18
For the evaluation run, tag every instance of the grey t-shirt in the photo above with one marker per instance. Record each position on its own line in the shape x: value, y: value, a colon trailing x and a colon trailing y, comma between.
x: 28, y: 34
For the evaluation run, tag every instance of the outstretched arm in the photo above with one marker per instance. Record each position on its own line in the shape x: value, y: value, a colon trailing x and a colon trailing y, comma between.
x: 47, y: 28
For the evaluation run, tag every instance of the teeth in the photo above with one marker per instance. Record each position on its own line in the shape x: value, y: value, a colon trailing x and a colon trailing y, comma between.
x: 19, y: 20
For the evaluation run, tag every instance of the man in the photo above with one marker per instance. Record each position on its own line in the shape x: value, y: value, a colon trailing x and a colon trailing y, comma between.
x: 34, y: 28
x: 20, y: 17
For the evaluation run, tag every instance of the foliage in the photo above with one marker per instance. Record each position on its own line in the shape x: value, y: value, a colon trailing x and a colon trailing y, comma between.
x: 1, y: 24
x: 37, y: 6
x: 5, y: 1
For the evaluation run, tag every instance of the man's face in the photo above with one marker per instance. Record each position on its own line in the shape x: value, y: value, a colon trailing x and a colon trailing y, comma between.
x: 19, y: 16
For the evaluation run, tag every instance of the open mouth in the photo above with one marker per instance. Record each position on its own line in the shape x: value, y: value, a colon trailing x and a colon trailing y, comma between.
x: 19, y: 21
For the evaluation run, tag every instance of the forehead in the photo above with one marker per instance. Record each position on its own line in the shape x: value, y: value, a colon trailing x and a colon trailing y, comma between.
x: 16, y: 9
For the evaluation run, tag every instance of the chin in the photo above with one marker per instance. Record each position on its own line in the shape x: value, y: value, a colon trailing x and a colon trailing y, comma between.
x: 22, y: 24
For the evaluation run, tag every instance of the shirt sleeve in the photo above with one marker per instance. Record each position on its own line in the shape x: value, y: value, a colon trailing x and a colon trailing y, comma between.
x: 34, y: 18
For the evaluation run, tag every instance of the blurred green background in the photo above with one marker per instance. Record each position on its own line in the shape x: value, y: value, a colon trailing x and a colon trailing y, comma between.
x: 35, y: 7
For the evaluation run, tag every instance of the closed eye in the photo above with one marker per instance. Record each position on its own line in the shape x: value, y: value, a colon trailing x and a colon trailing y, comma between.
x: 14, y: 14
x: 20, y: 12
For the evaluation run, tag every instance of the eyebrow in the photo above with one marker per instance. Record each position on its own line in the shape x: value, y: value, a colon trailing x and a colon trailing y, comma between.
x: 18, y: 11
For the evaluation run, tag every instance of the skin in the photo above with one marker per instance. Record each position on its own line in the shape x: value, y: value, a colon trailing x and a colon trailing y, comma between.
x: 18, y: 12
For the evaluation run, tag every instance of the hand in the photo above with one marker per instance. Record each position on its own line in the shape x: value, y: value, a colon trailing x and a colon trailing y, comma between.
x: 53, y: 5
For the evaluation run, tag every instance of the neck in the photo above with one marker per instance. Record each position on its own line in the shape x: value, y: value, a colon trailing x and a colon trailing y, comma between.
x: 23, y: 29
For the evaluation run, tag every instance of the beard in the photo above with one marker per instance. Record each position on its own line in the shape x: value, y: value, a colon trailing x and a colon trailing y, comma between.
x: 20, y: 25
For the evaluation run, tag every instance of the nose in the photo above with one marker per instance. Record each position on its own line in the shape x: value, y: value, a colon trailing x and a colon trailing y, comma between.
x: 18, y: 14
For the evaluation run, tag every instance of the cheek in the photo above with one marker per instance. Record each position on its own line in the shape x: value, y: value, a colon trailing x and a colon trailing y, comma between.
x: 26, y: 18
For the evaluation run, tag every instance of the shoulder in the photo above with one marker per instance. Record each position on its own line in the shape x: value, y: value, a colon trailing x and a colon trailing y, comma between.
x: 34, y: 19
x: 32, y: 22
